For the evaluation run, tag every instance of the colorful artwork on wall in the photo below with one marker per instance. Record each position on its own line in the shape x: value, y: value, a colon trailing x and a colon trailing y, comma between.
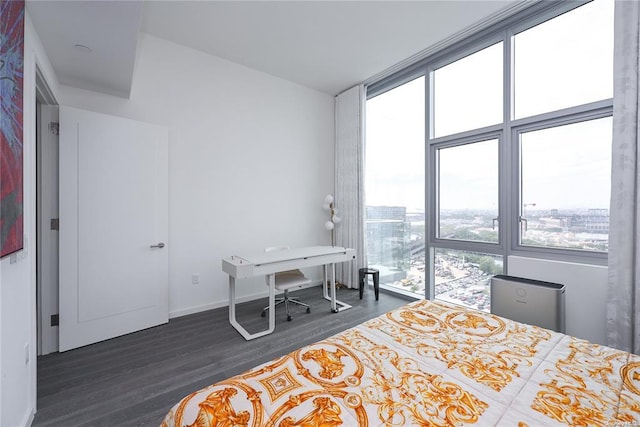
x: 11, y: 128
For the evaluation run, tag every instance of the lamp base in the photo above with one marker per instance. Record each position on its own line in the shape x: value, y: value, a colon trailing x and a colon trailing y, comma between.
x: 338, y: 284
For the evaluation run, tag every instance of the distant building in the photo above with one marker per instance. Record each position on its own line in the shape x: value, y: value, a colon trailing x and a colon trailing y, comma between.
x: 577, y: 221
x: 595, y: 221
x: 388, y: 241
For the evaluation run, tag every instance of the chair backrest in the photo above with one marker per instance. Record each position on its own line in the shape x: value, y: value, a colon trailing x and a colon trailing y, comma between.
x: 271, y: 249
x: 286, y: 275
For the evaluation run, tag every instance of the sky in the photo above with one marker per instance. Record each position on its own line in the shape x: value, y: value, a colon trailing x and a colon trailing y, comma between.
x: 558, y: 64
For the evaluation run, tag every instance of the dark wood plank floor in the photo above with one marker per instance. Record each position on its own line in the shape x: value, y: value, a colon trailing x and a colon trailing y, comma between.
x: 135, y: 379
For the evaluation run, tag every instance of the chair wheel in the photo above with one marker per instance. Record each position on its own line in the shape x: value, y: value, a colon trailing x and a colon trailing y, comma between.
x: 308, y: 309
x: 289, y: 318
x: 263, y: 314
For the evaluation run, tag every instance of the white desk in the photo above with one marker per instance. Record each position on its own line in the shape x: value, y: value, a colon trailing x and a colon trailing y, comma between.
x: 269, y: 263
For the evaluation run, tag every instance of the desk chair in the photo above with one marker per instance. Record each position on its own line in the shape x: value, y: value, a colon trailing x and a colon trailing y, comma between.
x: 285, y: 280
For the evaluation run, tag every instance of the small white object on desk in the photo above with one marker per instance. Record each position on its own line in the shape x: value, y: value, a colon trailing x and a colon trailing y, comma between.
x: 269, y: 263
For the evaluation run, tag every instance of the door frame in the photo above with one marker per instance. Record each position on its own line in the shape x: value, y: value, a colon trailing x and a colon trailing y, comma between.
x: 46, y: 250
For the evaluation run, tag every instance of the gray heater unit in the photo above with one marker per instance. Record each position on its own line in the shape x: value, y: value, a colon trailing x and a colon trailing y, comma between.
x: 528, y: 301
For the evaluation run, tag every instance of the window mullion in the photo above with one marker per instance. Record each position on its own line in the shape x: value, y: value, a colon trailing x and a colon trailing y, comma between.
x: 508, y: 186
x: 430, y: 211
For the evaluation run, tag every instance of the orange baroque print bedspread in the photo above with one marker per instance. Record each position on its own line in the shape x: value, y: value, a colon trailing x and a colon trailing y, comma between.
x: 432, y: 364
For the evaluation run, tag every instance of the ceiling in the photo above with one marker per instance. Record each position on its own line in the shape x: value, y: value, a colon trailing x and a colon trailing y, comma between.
x: 325, y: 45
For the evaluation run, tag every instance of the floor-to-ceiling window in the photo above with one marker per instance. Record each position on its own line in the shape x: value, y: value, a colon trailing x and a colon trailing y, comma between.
x: 394, y: 186
x: 510, y: 133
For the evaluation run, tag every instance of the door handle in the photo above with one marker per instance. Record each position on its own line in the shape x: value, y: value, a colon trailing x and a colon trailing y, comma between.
x: 159, y: 245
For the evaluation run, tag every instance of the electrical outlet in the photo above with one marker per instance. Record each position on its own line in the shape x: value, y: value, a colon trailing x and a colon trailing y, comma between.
x: 195, y: 279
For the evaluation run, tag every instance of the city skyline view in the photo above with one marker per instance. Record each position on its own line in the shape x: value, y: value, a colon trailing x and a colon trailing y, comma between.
x: 396, y: 246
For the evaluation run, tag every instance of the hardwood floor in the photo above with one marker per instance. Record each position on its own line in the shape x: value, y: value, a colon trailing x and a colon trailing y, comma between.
x: 135, y: 379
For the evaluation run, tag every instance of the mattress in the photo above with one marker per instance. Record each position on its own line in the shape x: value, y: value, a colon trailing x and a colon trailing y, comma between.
x: 429, y: 363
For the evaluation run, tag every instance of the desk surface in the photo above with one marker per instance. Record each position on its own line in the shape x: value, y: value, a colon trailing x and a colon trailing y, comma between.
x: 264, y: 263
x: 292, y: 254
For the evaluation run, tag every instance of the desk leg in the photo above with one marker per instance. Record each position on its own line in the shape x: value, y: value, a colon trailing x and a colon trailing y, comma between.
x: 232, y: 310
x: 325, y: 280
x: 325, y: 290
x: 333, y: 288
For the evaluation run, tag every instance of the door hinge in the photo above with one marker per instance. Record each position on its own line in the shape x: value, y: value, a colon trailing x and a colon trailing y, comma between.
x: 54, y: 128
x: 55, y: 319
x: 55, y: 223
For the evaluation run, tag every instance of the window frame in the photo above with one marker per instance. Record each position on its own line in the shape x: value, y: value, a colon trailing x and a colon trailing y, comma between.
x: 507, y: 133
x: 569, y: 116
x: 434, y: 217
x: 443, y: 60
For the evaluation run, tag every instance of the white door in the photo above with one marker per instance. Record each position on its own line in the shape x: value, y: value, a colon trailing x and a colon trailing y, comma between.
x: 113, y: 220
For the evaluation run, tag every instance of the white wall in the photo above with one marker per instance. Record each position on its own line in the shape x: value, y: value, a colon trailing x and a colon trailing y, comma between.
x: 18, y: 290
x: 250, y: 161
x: 585, y: 292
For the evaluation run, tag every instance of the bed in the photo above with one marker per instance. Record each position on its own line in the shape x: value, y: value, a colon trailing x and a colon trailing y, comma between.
x: 428, y: 363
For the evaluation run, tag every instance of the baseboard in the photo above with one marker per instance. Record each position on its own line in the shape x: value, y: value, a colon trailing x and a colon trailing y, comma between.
x: 225, y: 303
x: 29, y: 418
